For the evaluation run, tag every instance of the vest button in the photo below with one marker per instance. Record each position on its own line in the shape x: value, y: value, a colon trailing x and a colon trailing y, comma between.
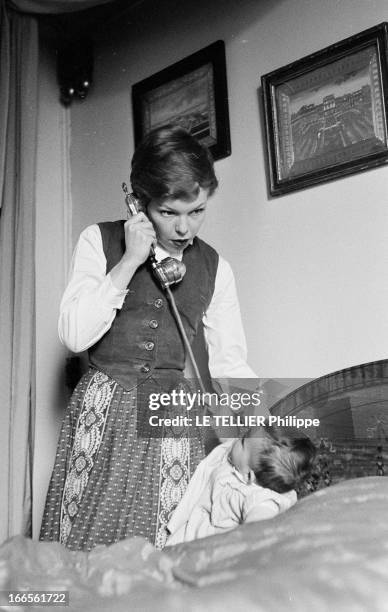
x: 145, y: 368
x: 149, y: 346
x: 158, y: 303
x: 153, y: 324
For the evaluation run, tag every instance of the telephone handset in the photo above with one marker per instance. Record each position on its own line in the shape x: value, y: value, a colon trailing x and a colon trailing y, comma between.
x: 169, y: 270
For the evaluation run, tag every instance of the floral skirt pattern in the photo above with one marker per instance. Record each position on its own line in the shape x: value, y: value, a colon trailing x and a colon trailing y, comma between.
x: 108, y: 483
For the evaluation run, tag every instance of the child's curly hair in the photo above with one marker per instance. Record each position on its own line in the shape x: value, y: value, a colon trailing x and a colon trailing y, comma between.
x: 285, y: 461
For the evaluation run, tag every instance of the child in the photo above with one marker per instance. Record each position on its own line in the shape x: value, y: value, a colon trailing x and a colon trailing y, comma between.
x: 242, y: 480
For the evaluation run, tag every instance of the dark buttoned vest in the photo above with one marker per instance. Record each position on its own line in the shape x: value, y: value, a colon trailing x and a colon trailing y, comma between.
x: 144, y: 338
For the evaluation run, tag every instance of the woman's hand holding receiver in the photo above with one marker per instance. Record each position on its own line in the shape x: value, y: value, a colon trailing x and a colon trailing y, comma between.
x: 139, y: 237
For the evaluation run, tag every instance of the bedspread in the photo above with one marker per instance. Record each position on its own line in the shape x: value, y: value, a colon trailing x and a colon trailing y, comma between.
x: 329, y: 552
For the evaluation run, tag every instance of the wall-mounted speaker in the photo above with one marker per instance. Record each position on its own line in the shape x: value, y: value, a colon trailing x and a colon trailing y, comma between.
x: 74, y: 69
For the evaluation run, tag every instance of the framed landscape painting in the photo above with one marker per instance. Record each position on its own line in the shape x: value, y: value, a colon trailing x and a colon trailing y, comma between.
x: 192, y: 93
x: 326, y: 114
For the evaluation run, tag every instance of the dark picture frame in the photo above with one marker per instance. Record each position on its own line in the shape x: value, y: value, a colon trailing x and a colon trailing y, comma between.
x: 326, y: 114
x: 192, y: 93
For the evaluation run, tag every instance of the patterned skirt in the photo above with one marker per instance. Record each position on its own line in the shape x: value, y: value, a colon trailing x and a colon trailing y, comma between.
x: 109, y: 482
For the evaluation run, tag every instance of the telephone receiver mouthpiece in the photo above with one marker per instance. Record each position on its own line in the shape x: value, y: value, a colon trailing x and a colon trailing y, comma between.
x: 168, y: 271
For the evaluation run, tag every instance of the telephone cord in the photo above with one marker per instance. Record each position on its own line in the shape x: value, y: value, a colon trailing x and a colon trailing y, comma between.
x: 185, y: 338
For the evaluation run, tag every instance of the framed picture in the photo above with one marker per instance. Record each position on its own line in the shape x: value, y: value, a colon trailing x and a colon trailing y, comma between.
x: 192, y: 93
x: 326, y: 114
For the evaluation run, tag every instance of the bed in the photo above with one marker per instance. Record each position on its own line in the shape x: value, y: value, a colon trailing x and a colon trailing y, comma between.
x: 330, y: 551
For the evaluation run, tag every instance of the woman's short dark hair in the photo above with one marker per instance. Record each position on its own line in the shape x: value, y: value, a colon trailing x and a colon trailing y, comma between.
x: 171, y: 163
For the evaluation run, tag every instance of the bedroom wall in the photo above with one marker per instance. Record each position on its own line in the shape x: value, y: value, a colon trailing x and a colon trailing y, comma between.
x: 52, y: 252
x: 311, y: 265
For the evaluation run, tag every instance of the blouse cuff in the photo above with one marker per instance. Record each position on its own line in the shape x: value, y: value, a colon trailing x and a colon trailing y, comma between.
x: 114, y: 297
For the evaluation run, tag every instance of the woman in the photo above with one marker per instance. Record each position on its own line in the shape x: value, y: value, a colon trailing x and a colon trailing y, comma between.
x: 108, y: 481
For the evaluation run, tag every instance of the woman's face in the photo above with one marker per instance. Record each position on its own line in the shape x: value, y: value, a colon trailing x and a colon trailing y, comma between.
x: 177, y: 222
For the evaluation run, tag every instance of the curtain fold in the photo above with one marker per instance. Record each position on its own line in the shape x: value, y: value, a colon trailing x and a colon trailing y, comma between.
x: 4, y: 88
x: 18, y: 117
x: 54, y: 6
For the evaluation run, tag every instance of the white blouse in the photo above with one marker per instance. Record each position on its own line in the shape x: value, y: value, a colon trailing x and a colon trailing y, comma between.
x: 91, y: 300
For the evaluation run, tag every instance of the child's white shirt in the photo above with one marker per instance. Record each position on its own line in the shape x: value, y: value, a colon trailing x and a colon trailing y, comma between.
x: 219, y: 498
